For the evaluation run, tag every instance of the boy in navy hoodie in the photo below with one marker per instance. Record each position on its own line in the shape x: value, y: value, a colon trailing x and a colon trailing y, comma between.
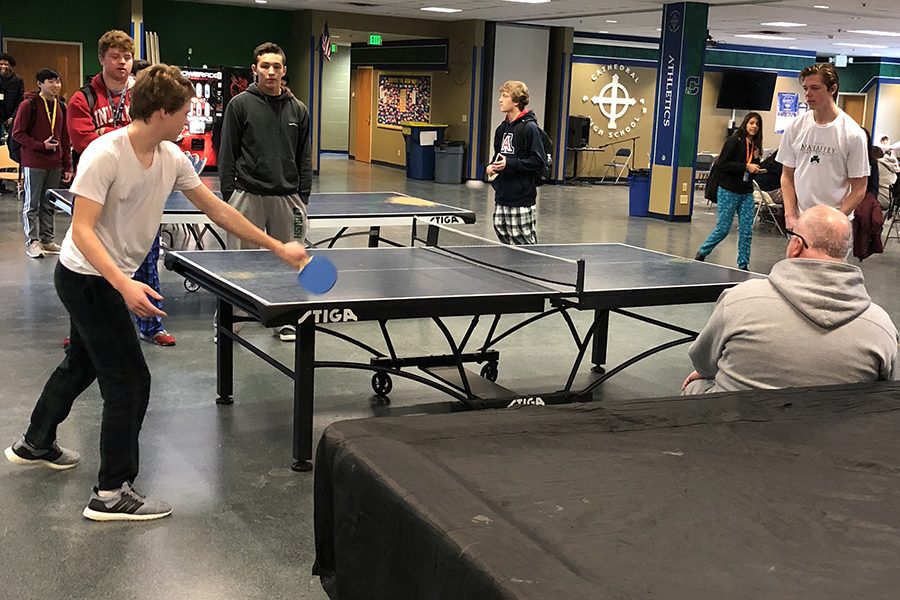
x: 519, y: 158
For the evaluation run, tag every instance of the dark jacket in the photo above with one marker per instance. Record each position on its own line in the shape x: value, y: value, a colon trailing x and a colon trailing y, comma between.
x: 34, y: 154
x: 265, y: 147
x: 520, y: 142
x: 13, y: 90
x: 732, y: 164
x: 868, y: 222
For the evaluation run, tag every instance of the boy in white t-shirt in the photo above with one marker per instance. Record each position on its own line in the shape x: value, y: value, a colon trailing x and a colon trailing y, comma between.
x: 123, y: 180
x: 824, y: 152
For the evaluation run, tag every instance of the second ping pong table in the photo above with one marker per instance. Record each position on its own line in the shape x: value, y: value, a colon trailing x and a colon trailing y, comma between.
x: 327, y: 210
x: 387, y: 283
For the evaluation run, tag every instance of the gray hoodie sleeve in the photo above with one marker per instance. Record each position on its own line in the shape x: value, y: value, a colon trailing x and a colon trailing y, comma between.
x: 709, y: 345
x: 229, y: 149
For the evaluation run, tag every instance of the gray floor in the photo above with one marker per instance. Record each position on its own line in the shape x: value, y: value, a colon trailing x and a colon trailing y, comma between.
x: 242, y: 526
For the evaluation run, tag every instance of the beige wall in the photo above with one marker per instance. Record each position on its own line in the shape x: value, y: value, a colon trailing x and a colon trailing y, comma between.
x: 714, y: 121
x: 887, y: 121
x: 336, y: 105
x: 590, y: 164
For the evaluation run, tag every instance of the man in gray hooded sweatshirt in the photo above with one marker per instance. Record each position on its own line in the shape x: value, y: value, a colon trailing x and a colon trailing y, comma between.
x: 810, y: 323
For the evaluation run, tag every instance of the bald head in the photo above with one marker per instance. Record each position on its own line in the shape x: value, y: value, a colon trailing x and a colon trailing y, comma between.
x: 827, y: 231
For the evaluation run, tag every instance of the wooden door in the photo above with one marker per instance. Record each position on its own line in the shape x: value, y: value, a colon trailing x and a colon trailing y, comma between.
x: 855, y: 106
x: 364, y: 114
x: 33, y: 55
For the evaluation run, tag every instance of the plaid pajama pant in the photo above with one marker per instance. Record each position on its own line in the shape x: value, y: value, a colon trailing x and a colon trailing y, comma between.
x: 515, y: 225
x: 148, y: 273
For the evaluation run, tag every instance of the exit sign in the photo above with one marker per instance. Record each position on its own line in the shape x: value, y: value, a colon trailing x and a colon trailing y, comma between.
x: 374, y: 39
x: 333, y: 48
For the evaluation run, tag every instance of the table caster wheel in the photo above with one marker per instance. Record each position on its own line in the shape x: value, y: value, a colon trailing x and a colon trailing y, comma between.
x: 190, y: 286
x: 489, y: 371
x: 382, y: 384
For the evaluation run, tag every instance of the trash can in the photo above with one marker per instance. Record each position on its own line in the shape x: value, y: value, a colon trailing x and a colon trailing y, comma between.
x: 420, y: 139
x: 449, y: 159
x: 639, y: 192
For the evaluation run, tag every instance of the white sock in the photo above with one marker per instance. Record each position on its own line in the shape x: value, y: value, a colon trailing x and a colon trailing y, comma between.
x: 106, y: 494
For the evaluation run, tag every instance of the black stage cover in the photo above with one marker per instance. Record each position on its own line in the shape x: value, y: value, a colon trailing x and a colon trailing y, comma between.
x: 786, y: 494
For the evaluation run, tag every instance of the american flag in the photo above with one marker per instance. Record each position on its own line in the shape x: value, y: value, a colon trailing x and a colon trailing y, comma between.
x: 326, y: 42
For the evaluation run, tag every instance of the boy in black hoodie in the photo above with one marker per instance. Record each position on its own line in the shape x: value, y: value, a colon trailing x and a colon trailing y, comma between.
x: 519, y: 158
x: 265, y: 168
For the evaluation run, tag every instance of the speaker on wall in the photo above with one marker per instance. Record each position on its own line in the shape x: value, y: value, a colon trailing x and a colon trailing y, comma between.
x: 579, y: 131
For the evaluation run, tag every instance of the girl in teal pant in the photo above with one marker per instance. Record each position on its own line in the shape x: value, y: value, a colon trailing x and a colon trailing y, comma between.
x: 737, y: 163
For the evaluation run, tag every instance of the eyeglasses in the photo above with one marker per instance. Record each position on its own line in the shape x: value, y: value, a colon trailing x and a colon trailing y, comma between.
x: 802, y: 239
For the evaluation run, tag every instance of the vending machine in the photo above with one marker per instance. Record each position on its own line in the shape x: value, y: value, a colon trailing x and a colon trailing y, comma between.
x: 205, y: 115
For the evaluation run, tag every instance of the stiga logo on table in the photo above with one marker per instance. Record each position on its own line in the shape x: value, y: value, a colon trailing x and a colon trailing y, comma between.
x: 328, y: 315
x: 620, y: 110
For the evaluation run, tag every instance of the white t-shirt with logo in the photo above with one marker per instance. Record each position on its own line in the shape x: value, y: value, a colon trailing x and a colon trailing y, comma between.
x: 133, y: 198
x: 825, y: 158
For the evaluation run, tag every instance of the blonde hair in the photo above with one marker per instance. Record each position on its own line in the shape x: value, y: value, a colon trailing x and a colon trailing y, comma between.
x: 517, y: 91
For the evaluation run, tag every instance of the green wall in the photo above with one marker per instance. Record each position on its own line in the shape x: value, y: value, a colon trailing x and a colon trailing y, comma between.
x: 66, y: 21
x: 221, y: 36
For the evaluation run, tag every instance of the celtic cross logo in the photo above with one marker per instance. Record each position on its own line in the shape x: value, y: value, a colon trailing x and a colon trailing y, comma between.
x: 613, y: 101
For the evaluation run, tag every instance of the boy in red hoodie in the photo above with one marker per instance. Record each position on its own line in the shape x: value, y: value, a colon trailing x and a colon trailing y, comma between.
x: 40, y: 127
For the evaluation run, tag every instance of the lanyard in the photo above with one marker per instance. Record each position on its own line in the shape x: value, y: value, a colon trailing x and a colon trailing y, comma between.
x: 117, y: 107
x: 49, y: 118
x: 749, y: 151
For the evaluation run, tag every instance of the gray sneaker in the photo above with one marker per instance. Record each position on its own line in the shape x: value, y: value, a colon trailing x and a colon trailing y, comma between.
x: 58, y: 458
x: 126, y: 505
x: 51, y: 248
x: 33, y: 250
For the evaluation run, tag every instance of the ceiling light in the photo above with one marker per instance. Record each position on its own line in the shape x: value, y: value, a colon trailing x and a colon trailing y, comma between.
x: 822, y: 6
x: 764, y: 36
x: 611, y: 21
x: 261, y: 1
x: 529, y: 1
x: 602, y: 32
x: 793, y: 48
x: 784, y: 24
x: 858, y: 45
x: 440, y: 9
x: 874, y: 32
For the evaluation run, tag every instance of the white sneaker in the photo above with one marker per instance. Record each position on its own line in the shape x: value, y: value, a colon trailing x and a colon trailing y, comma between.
x: 34, y: 250
x: 286, y: 333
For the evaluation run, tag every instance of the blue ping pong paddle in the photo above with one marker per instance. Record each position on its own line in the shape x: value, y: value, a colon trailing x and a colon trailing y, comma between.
x: 318, y: 275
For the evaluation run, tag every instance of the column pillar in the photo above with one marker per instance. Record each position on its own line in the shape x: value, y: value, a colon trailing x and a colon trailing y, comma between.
x: 676, y: 118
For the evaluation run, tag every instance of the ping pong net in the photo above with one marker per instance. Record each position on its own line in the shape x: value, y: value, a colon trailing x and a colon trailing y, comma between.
x: 562, y: 274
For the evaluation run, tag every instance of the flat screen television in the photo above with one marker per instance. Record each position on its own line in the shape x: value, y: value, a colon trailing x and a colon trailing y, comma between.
x: 746, y: 90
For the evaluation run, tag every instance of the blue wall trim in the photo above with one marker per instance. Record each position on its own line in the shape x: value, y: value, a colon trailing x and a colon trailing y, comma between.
x: 473, y: 151
x: 616, y: 38
x: 603, y: 60
x: 764, y: 50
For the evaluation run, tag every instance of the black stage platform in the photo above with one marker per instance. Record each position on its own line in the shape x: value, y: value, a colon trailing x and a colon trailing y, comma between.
x: 790, y: 494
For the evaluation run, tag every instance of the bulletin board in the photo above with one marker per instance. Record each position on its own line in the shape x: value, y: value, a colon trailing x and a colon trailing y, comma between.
x: 403, y: 98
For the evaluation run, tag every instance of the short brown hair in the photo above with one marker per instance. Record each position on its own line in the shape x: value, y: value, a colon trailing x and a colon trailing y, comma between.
x: 268, y: 48
x: 517, y: 91
x: 115, y: 38
x: 157, y: 87
x: 827, y: 72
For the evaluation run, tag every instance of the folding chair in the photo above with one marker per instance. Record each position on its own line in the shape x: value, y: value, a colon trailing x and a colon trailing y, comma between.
x: 893, y: 231
x: 619, y: 162
x: 763, y: 200
x: 10, y: 170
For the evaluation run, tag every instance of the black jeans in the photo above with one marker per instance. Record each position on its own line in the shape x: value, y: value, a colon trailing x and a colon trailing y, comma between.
x: 105, y: 347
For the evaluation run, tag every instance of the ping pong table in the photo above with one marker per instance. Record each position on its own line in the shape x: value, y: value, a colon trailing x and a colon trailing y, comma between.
x: 332, y: 210
x: 389, y: 283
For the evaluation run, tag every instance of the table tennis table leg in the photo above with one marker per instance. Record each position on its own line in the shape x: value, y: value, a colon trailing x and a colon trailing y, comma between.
x: 224, y: 353
x: 601, y: 334
x: 374, y: 236
x: 304, y: 390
